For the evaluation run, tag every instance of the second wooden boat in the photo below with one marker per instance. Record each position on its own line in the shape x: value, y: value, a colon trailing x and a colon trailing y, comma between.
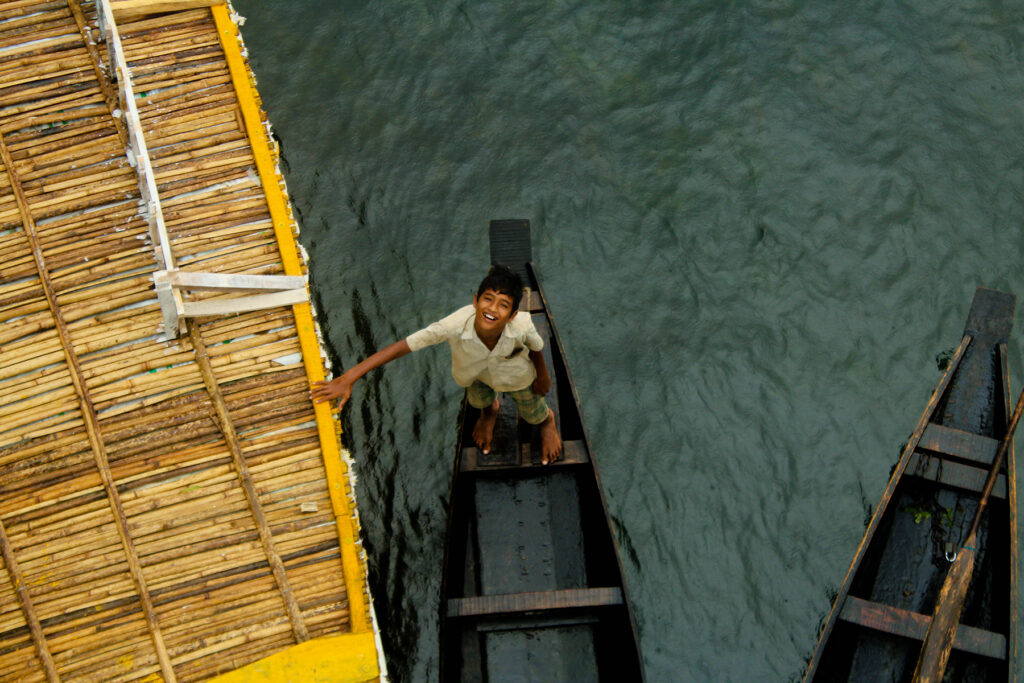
x: 532, y: 587
x: 881, y: 614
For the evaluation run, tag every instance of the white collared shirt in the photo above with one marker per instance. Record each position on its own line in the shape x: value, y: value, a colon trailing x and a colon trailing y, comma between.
x: 507, y: 367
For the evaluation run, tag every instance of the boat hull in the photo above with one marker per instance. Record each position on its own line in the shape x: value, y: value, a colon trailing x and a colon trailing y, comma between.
x: 532, y: 587
x: 880, y: 616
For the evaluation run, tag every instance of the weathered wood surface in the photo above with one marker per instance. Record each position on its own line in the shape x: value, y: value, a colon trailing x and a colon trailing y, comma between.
x: 510, y: 603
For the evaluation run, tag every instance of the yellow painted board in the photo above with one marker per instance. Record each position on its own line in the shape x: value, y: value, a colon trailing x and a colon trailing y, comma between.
x: 337, y: 476
x: 346, y: 658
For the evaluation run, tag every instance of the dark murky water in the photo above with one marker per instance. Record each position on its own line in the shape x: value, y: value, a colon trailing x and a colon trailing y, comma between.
x: 758, y: 223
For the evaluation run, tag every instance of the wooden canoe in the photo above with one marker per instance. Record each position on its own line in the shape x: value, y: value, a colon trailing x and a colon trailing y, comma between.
x: 875, y: 629
x: 532, y: 586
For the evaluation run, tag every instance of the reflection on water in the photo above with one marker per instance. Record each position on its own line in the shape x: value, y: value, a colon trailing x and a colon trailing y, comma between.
x: 757, y: 225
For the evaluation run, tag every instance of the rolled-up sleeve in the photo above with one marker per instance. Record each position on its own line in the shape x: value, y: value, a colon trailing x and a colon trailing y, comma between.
x: 443, y: 330
x: 428, y: 336
x: 532, y: 338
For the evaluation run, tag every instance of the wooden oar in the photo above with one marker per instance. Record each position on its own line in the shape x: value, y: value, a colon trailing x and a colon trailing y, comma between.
x: 938, y: 642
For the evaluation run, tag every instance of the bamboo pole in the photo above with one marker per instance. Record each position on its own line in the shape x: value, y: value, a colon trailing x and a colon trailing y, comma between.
x: 70, y: 132
x: 80, y: 115
x: 222, y: 121
x: 16, y: 8
x: 245, y: 479
x: 35, y: 89
x: 59, y: 65
x: 197, y: 52
x: 40, y: 428
x: 47, y: 37
x: 21, y: 25
x: 38, y: 639
x: 123, y: 239
x: 161, y: 24
x: 43, y: 44
x: 184, y: 102
x: 97, y: 164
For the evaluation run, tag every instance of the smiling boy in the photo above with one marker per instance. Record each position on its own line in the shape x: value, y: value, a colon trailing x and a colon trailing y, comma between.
x: 493, y: 350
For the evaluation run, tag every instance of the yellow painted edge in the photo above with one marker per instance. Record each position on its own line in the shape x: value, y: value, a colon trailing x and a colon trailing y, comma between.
x: 345, y: 658
x: 348, y: 531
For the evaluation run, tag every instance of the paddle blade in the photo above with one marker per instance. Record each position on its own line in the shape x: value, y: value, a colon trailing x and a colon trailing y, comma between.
x: 938, y: 642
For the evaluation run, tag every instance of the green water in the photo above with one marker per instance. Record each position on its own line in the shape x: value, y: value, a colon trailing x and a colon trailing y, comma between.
x: 757, y: 223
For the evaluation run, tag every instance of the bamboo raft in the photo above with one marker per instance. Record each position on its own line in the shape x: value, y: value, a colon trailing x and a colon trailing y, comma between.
x: 172, y: 505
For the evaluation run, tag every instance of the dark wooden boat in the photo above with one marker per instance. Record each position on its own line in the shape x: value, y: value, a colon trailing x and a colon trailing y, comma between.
x: 533, y: 587
x: 881, y: 614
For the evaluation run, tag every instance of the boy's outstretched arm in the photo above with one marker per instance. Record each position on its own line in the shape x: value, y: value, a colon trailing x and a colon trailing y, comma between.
x: 341, y: 387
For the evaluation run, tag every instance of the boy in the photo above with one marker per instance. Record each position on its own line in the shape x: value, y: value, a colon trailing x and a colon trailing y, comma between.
x: 493, y: 350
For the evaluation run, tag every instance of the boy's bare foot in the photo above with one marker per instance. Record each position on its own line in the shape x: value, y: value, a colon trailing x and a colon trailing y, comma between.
x: 550, y: 441
x: 484, y: 428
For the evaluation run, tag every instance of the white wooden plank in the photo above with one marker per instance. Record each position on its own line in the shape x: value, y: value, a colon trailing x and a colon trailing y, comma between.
x: 147, y: 183
x: 195, y: 309
x: 235, y: 282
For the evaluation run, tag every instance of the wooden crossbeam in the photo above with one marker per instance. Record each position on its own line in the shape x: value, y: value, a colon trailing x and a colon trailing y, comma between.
x: 958, y: 443
x: 168, y: 282
x: 196, y: 309
x: 954, y: 474
x: 512, y: 603
x: 234, y: 282
x: 901, y: 622
x: 574, y: 452
x: 275, y: 290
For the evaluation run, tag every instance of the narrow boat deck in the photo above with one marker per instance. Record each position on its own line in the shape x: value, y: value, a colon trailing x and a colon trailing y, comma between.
x: 172, y: 505
x: 533, y: 587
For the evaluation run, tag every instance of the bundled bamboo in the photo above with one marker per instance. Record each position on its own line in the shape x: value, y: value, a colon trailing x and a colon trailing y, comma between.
x: 231, y: 528
x: 17, y: 8
x: 158, y: 26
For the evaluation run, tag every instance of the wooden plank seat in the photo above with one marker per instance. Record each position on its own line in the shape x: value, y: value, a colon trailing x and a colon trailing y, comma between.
x: 959, y: 444
x: 537, y: 601
x: 531, y: 302
x: 909, y: 624
x: 954, y: 474
x: 573, y: 453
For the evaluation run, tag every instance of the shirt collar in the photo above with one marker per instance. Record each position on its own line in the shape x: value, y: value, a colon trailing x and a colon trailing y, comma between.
x: 469, y: 332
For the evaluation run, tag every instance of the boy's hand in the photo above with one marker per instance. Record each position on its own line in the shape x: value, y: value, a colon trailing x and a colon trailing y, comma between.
x: 542, y: 385
x: 339, y: 387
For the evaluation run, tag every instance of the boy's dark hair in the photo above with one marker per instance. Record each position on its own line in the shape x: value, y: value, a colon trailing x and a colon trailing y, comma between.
x: 503, y: 281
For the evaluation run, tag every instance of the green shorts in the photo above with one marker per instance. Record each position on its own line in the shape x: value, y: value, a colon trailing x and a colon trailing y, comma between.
x: 532, y: 407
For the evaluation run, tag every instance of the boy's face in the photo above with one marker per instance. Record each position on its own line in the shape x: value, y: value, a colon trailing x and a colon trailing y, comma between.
x: 493, y: 311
